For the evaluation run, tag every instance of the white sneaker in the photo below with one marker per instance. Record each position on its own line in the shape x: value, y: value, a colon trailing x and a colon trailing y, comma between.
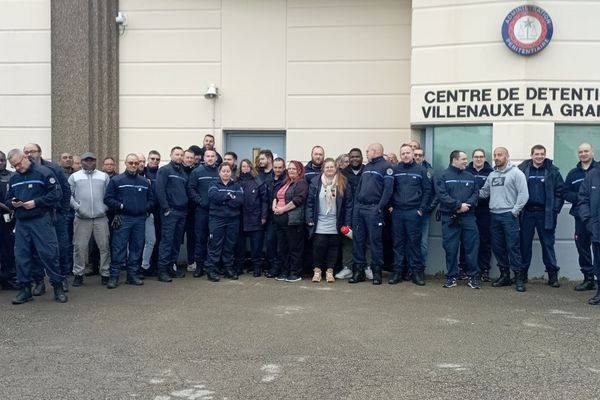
x: 345, y: 273
x: 369, y: 273
x: 192, y: 267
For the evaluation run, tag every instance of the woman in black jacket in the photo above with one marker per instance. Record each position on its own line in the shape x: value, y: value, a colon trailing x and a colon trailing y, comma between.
x: 225, y: 205
x: 288, y: 216
x: 254, y: 217
x: 328, y: 208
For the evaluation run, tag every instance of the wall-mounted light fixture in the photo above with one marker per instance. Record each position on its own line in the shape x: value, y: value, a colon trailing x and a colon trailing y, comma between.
x: 121, y: 20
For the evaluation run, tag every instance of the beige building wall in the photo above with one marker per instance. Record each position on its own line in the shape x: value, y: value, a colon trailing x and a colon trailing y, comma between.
x: 329, y: 72
x: 458, y: 44
x: 25, y: 74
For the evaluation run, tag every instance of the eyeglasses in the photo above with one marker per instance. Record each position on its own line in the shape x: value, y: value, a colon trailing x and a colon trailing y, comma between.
x: 132, y: 163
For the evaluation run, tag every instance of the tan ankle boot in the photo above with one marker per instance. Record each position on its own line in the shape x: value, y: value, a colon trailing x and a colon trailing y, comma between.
x: 329, y: 275
x: 317, y: 275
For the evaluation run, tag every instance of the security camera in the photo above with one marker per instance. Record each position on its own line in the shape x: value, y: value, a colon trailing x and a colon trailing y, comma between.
x: 121, y: 19
x: 212, y: 92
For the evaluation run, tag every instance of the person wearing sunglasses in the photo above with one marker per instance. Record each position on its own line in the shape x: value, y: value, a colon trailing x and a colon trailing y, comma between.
x: 130, y: 197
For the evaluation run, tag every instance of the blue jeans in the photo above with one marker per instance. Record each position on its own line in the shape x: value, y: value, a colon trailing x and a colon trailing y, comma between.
x: 583, y: 242
x: 171, y: 235
x: 461, y: 229
x: 37, y: 233
x: 504, y: 229
x: 130, y: 235
x: 532, y: 221
x: 149, y: 241
x: 367, y: 223
x: 406, y: 234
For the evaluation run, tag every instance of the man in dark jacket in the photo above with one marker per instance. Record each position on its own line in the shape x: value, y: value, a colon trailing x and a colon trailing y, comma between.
x: 314, y: 166
x: 171, y: 194
x: 373, y: 194
x: 412, y: 196
x: 33, y: 194
x: 129, y: 195
x: 545, y: 185
x: 208, y: 143
x: 589, y: 212
x: 8, y: 272
x: 197, y: 189
x: 458, y: 193
x: 583, y: 240
x: 480, y: 169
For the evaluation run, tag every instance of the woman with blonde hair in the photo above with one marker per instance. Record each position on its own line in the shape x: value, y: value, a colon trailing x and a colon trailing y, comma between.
x: 328, y: 208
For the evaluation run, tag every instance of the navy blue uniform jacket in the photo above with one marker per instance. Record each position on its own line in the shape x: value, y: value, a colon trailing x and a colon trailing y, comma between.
x: 38, y: 183
x: 225, y: 200
x: 129, y: 194
x: 554, y: 186
x: 199, y: 182
x: 412, y: 187
x: 171, y: 184
x: 453, y: 187
x: 255, y: 202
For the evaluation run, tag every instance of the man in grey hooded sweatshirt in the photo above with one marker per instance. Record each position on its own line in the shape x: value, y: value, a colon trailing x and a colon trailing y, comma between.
x: 506, y: 187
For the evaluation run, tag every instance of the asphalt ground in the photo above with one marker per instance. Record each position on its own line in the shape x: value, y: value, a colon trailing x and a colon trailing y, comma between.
x: 257, y: 338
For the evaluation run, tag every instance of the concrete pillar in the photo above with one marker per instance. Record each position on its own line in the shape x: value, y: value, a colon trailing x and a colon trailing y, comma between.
x: 85, y: 77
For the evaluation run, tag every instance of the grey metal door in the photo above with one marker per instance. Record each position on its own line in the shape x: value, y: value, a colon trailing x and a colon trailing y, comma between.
x: 247, y: 144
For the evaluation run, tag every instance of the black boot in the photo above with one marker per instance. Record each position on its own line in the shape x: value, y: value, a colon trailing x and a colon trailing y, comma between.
x: 395, y: 278
x: 520, y: 281
x: 418, y: 278
x: 377, y: 278
x: 165, y: 277
x: 65, y: 285
x: 77, y: 280
x: 358, y: 273
x: 503, y: 280
x: 593, y: 301
x: 134, y: 280
x: 231, y: 273
x: 587, y: 284
x: 39, y: 288
x: 199, y: 272
x: 553, y: 279
x: 112, y: 283
x: 59, y: 293
x: 23, y: 296
x: 485, y: 275
x: 212, y: 275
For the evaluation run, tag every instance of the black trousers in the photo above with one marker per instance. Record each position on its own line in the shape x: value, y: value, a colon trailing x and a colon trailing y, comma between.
x: 293, y: 236
x: 325, y: 249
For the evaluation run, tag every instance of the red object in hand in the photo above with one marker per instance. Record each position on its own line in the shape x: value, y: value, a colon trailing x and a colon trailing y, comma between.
x: 346, y: 231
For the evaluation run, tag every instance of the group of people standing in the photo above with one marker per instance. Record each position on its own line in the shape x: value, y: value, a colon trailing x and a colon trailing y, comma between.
x: 303, y: 216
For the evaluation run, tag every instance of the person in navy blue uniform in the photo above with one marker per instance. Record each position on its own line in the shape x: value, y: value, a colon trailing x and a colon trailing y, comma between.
x: 426, y: 220
x: 189, y: 164
x: 254, y: 218
x: 129, y: 195
x: 150, y: 254
x: 480, y: 169
x: 273, y: 185
x: 458, y: 193
x: 8, y: 272
x: 412, y: 196
x: 545, y: 185
x: 61, y: 220
x: 171, y: 182
x: 197, y: 189
x: 373, y: 194
x: 583, y: 240
x: 34, y: 193
x: 209, y: 144
x: 328, y: 209
x: 589, y: 212
x: 226, y: 198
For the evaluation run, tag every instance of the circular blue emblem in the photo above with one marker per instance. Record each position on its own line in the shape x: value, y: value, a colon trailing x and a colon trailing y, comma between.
x: 527, y: 30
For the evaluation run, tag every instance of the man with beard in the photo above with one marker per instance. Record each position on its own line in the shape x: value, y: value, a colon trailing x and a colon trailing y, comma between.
x: 506, y: 187
x: 313, y: 167
x: 209, y: 144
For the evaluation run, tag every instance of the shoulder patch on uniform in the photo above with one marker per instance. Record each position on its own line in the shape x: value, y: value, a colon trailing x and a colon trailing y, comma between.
x: 429, y: 174
x: 389, y: 171
x: 52, y: 180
